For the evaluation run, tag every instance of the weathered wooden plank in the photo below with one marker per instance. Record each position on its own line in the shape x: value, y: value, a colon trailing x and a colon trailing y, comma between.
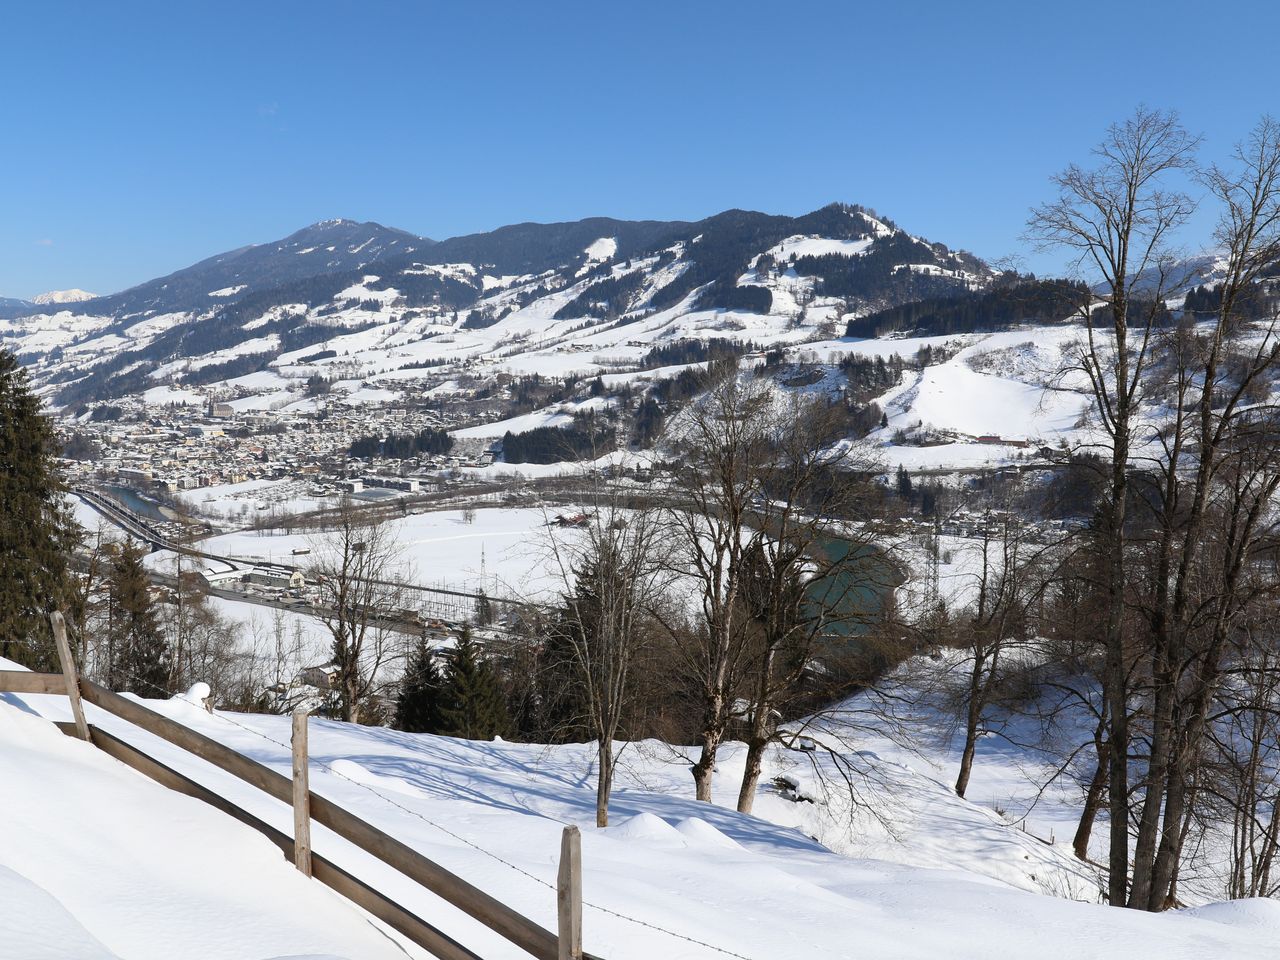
x: 262, y: 777
x: 69, y: 673
x: 569, y: 894
x: 301, y: 794
x: 421, y: 932
x: 24, y: 681
x: 471, y: 900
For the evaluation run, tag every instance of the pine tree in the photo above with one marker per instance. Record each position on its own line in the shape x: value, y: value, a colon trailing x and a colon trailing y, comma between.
x: 484, y: 609
x: 37, y: 530
x: 472, y: 704
x: 138, y: 655
x: 904, y: 483
x: 418, y: 708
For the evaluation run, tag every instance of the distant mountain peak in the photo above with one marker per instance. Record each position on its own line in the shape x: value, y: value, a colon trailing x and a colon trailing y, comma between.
x: 73, y: 295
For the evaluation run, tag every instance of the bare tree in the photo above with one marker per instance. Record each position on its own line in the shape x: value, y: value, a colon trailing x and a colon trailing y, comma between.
x: 614, y: 575
x: 1212, y: 482
x: 1243, y: 785
x: 356, y: 566
x: 1117, y: 219
x: 1008, y: 584
x: 723, y: 438
x: 808, y: 572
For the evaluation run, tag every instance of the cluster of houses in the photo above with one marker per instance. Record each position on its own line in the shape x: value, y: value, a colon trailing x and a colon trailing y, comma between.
x: 178, y: 448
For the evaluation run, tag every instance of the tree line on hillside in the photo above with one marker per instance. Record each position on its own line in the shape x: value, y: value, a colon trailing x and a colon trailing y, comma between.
x: 431, y: 441
x: 1014, y: 300
x: 587, y: 437
x: 689, y: 350
x: 609, y: 297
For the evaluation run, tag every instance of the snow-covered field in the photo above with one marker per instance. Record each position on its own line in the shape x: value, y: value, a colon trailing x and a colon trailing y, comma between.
x: 505, y: 551
x: 933, y: 876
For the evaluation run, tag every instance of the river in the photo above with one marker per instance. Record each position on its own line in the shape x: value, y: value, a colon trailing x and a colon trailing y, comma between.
x: 137, y: 503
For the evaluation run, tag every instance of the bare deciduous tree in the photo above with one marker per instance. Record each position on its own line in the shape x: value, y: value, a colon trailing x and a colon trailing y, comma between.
x: 614, y: 575
x: 722, y: 441
x: 356, y: 565
x: 808, y: 571
x: 1117, y: 219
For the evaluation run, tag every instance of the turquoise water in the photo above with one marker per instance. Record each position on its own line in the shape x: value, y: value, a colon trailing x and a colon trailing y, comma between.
x: 857, y: 592
x: 136, y: 502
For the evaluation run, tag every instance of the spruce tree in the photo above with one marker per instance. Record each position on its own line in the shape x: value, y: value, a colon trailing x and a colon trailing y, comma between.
x: 37, y: 529
x: 418, y: 708
x: 484, y: 609
x: 472, y: 704
x: 138, y: 655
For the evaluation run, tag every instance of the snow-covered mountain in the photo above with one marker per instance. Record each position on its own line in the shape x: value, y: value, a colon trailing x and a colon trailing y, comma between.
x: 381, y: 300
x: 73, y: 295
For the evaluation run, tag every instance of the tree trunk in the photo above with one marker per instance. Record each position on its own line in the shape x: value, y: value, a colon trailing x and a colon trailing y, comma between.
x: 757, y: 742
x: 1092, y: 804
x: 705, y: 767
x: 1141, y: 892
x: 972, y: 716
x: 604, y: 782
x: 1116, y: 672
x: 966, y: 755
x: 350, y: 699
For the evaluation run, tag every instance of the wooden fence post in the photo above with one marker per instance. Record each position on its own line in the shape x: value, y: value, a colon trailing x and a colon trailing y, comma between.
x: 59, y: 626
x: 569, y: 894
x: 301, y: 794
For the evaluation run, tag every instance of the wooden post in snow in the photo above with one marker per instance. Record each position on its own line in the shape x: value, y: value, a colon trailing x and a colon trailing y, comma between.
x: 569, y: 894
x: 59, y: 626
x: 301, y: 794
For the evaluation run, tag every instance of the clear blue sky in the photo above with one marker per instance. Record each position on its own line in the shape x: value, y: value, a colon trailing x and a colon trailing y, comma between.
x: 136, y: 138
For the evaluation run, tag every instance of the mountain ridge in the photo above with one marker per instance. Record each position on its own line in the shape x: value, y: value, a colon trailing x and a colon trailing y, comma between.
x: 244, y: 310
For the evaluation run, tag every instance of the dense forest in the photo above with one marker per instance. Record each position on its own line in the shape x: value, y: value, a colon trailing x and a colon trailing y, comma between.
x: 585, y: 438
x: 430, y: 441
x: 1013, y: 301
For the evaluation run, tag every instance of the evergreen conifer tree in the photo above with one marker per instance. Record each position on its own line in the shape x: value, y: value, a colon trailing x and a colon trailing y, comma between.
x: 418, y: 708
x: 484, y: 609
x: 37, y: 530
x: 904, y: 483
x: 138, y: 653
x: 472, y: 704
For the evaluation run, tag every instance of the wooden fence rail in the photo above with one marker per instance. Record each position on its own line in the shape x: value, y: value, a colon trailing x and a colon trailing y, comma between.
x: 354, y: 889
x: 21, y: 681
x: 530, y: 936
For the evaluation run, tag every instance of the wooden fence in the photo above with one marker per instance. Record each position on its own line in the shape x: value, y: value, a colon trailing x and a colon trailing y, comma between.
x: 531, y: 937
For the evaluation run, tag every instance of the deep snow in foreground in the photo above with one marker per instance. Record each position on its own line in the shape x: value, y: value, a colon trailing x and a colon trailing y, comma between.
x: 112, y: 862
x: 98, y: 862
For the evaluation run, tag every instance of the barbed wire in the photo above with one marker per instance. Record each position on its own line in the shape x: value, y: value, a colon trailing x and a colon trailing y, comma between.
x: 328, y: 768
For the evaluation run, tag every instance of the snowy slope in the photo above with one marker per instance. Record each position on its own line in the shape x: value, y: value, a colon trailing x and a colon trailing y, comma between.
x: 63, y: 296
x: 703, y: 874
x: 98, y: 862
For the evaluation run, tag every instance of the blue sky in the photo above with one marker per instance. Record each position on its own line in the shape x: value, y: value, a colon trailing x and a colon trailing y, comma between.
x: 136, y: 138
